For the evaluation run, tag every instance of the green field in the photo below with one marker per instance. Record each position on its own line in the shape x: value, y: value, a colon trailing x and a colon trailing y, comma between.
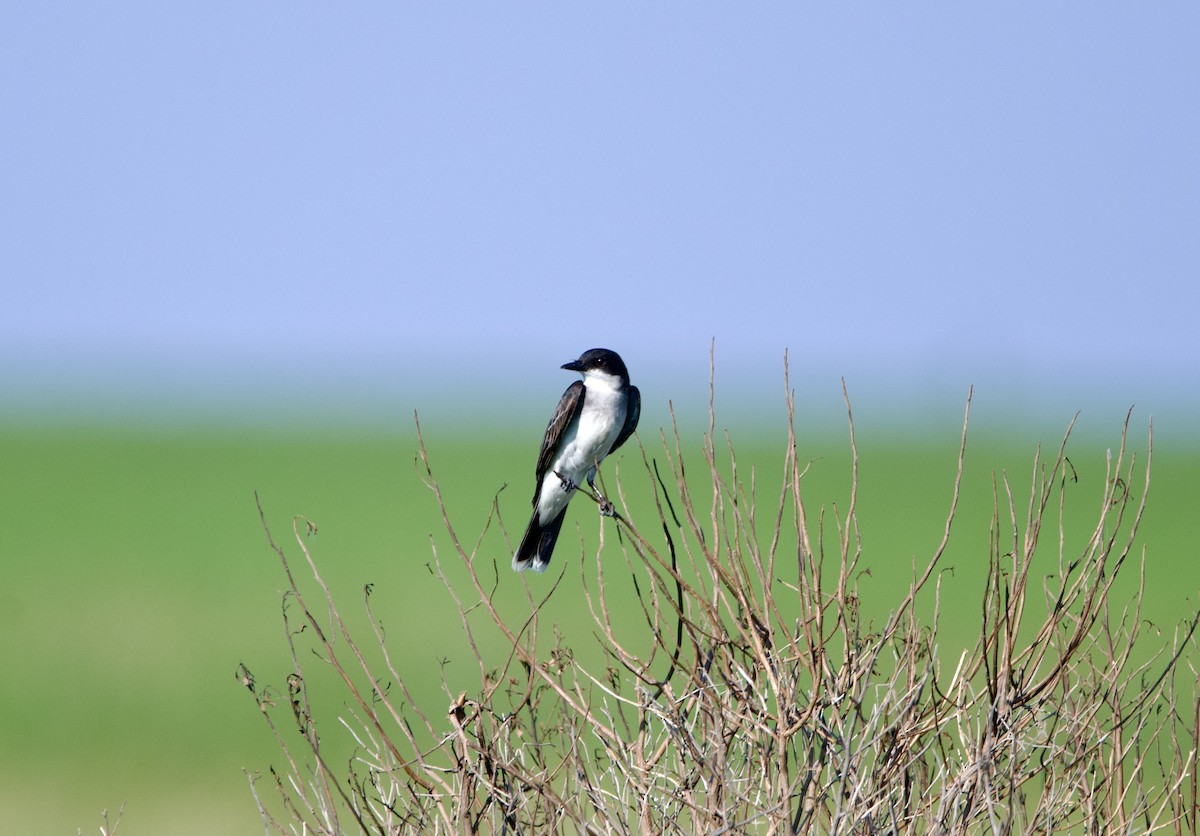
x: 136, y: 577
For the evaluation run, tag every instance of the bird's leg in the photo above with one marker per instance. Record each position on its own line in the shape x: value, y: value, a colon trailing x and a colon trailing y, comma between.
x: 607, y: 509
x: 567, y: 482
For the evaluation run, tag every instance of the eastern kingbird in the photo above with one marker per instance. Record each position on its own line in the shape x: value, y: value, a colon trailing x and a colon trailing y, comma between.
x: 593, y: 419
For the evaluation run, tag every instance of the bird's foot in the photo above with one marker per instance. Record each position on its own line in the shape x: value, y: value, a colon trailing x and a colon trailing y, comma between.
x: 568, y: 483
x: 607, y: 509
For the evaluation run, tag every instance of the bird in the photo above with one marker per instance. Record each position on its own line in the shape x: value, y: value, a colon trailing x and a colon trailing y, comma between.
x: 595, y: 416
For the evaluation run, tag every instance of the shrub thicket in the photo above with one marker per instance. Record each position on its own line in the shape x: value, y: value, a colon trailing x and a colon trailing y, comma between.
x: 751, y: 696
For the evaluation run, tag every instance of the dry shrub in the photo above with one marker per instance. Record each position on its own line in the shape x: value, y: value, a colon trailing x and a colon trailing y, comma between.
x: 752, y: 697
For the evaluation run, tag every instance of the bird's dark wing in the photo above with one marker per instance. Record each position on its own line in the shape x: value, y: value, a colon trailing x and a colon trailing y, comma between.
x: 633, y: 411
x: 568, y: 407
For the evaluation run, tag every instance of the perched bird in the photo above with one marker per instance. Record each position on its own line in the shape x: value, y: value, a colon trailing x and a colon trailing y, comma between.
x: 595, y: 417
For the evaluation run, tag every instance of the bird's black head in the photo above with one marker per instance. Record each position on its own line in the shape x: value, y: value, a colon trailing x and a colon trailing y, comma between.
x: 599, y: 360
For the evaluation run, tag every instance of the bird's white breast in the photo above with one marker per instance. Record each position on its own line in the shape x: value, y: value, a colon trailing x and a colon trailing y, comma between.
x: 586, y: 441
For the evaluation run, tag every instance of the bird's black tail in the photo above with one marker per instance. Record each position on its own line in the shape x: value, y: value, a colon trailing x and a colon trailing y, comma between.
x: 538, y: 544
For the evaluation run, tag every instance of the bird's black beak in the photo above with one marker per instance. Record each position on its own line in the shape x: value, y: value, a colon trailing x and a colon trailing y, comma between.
x: 573, y: 366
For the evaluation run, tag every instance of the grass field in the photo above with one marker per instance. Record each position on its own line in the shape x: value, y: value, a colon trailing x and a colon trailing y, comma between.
x: 136, y: 577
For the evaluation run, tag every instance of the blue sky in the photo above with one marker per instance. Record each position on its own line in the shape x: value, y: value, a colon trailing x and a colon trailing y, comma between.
x: 210, y: 207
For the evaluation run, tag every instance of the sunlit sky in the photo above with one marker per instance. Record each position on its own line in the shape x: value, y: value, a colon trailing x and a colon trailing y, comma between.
x: 223, y: 207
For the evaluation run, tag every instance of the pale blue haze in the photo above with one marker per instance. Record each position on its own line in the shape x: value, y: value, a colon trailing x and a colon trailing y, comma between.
x: 219, y: 208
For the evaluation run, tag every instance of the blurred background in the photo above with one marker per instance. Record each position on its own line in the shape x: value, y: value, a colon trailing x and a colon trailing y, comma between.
x: 240, y: 245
